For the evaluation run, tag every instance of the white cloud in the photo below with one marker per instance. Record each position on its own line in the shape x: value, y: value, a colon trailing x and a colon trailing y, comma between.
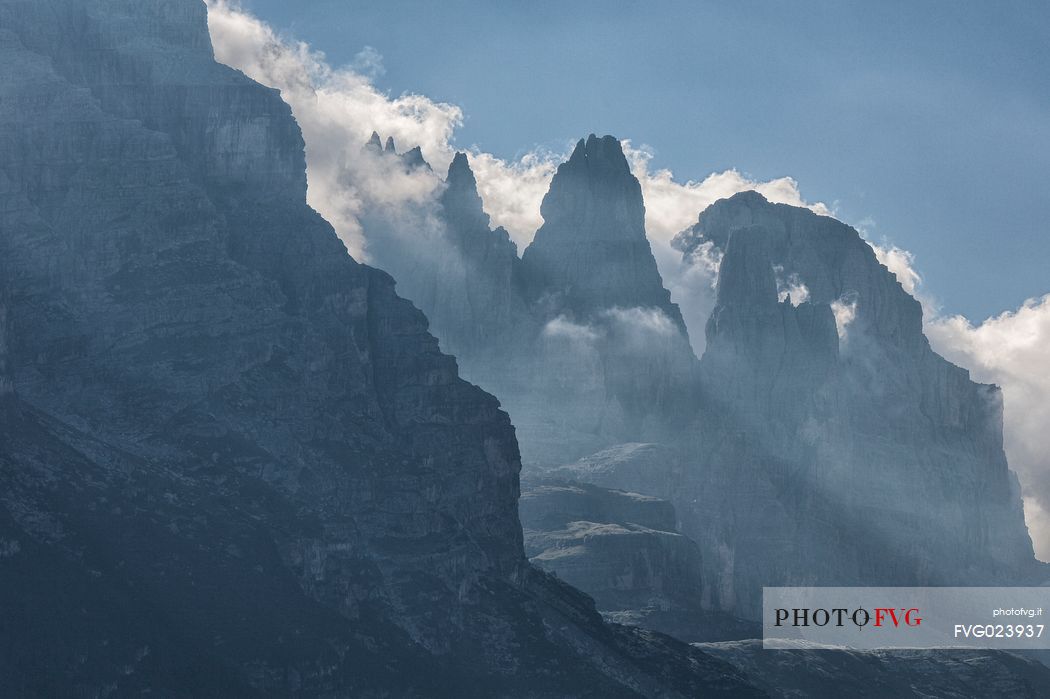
x: 565, y: 329
x: 693, y: 282
x: 790, y: 288
x: 337, y: 110
x: 647, y: 321
x: 369, y: 62
x: 1011, y: 350
x: 672, y: 206
x: 845, y: 311
x: 901, y: 263
x: 512, y: 191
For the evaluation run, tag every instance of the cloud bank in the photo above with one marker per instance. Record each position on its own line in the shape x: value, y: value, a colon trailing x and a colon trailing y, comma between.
x: 339, y: 107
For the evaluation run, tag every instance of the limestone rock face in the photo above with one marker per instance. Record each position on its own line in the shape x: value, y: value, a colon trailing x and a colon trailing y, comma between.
x: 614, y: 361
x: 464, y: 275
x: 833, y: 446
x: 229, y: 131
x: 760, y: 348
x: 409, y: 161
x: 580, y: 363
x: 490, y: 317
x: 240, y: 463
x: 621, y: 548
x: 830, y: 444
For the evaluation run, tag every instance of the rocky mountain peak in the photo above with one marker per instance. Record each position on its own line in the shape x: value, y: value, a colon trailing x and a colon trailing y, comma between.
x: 829, y: 258
x: 592, y: 253
x: 595, y: 195
x: 413, y: 159
x: 374, y: 143
x: 460, y: 174
x: 844, y: 391
x: 461, y: 202
x: 600, y: 155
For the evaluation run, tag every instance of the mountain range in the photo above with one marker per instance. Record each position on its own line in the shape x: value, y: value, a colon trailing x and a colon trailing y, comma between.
x: 234, y: 461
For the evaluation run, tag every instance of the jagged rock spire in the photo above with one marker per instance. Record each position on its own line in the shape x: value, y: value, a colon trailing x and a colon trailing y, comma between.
x: 460, y: 200
x: 374, y: 144
x: 592, y: 251
x: 595, y: 194
x: 413, y: 159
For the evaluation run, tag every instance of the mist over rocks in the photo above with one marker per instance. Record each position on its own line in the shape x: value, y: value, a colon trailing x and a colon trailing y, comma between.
x: 493, y: 314
x: 577, y: 364
x: 594, y: 284
x: 465, y: 276
x: 828, y: 444
x: 880, y: 461
x: 240, y: 463
x: 410, y: 160
x: 817, y: 426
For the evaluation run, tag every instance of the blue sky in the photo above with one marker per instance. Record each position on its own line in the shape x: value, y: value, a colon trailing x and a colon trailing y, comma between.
x: 931, y: 119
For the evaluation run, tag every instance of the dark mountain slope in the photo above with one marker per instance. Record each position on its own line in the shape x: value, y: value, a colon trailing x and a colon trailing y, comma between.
x: 237, y: 462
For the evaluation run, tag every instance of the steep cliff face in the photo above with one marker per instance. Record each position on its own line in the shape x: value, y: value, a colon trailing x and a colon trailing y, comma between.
x: 464, y: 275
x: 831, y: 445
x: 621, y: 548
x: 760, y: 348
x: 834, y: 446
x: 241, y: 464
x: 491, y: 317
x: 624, y: 549
x: 153, y: 65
